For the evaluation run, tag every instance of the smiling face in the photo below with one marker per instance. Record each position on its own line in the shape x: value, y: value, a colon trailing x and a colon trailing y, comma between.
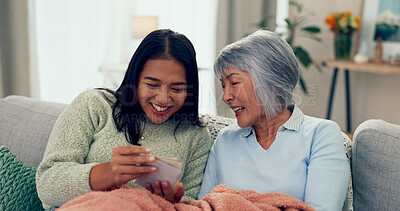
x: 162, y: 88
x: 240, y: 97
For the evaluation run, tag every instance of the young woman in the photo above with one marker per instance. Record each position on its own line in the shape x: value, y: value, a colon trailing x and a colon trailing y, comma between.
x: 104, y: 138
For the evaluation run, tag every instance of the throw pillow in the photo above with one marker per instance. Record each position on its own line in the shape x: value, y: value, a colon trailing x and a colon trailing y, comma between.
x: 17, y: 184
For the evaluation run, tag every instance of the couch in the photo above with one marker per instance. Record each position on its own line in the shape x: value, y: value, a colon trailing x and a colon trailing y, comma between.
x: 26, y: 123
x: 376, y: 166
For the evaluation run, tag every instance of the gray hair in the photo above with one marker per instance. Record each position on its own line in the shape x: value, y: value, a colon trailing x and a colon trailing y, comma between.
x: 271, y: 64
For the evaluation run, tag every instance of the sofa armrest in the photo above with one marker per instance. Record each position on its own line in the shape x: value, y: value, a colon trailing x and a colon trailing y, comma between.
x: 25, y: 126
x: 376, y: 166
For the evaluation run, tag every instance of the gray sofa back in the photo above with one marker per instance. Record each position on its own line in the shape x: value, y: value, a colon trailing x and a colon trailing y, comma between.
x: 26, y: 123
x: 25, y: 126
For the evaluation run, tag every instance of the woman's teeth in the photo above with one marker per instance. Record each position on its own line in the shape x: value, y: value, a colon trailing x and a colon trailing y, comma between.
x: 159, y: 108
x: 238, y: 109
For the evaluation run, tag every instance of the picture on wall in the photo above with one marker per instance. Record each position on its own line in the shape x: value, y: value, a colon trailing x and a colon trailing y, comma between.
x: 388, y: 21
x: 381, y: 18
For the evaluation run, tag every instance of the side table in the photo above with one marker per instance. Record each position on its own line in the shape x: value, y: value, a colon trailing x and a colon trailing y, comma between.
x: 347, y: 66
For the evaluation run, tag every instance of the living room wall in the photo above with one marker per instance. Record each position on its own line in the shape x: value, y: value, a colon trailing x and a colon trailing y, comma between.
x: 373, y: 96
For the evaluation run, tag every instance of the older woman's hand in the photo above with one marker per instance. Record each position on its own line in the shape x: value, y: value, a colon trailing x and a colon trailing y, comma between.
x: 165, y: 190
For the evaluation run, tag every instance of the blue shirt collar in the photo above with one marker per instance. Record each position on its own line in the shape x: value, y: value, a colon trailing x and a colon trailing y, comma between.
x: 293, y: 123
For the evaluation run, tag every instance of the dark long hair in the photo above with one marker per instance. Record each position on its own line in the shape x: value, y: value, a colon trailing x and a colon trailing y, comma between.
x: 164, y: 44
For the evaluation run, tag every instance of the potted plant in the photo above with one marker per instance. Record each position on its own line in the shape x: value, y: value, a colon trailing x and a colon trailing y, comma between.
x: 298, y: 26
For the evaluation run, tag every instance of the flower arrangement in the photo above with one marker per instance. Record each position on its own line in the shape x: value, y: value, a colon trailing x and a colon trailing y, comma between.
x: 343, y: 22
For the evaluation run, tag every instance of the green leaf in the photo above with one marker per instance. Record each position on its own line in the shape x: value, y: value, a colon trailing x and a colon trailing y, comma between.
x: 303, y: 56
x: 318, y: 39
x: 311, y: 37
x: 318, y: 68
x: 296, y: 4
x: 303, y: 85
x: 289, y: 24
x: 262, y: 24
x: 300, y: 20
x: 289, y: 41
x: 312, y: 29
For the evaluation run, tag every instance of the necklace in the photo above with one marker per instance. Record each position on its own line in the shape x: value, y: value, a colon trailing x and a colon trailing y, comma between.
x: 148, y: 133
x: 268, y: 137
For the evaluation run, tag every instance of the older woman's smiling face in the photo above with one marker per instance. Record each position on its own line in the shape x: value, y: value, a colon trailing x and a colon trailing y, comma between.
x: 240, y: 97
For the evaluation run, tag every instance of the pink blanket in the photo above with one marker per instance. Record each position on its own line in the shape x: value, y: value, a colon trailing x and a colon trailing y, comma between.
x: 221, y: 198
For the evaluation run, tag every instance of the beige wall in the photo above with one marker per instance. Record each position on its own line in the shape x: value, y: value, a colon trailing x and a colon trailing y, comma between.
x: 372, y: 95
x: 14, y: 49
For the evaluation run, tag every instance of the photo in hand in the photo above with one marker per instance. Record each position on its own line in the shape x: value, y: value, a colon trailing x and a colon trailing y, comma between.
x: 168, y: 169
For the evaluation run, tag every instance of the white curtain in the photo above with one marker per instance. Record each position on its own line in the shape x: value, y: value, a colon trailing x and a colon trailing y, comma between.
x: 74, y: 38
x: 236, y: 18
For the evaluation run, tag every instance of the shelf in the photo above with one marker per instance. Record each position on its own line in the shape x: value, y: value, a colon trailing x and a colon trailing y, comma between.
x: 369, y: 67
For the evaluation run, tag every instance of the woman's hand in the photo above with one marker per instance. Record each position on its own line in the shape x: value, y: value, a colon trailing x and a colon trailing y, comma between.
x: 127, y: 163
x: 165, y: 190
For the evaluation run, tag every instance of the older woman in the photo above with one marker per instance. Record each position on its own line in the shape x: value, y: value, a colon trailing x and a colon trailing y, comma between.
x: 273, y: 147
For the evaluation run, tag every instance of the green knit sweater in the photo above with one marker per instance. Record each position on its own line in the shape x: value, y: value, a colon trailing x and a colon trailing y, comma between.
x: 85, y: 135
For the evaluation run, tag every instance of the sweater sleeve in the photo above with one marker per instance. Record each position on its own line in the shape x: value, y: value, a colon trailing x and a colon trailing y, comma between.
x: 195, y: 164
x: 328, y: 170
x: 63, y: 174
x: 211, y: 173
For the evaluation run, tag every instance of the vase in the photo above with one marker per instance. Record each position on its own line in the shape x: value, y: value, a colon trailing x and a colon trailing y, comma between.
x: 342, y: 46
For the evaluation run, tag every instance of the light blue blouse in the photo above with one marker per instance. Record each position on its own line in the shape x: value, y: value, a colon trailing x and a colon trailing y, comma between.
x: 307, y: 160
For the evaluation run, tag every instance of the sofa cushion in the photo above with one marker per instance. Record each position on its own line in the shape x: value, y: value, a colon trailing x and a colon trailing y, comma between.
x: 216, y: 123
x: 348, y: 203
x: 25, y: 126
x: 376, y: 166
x: 17, y: 184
